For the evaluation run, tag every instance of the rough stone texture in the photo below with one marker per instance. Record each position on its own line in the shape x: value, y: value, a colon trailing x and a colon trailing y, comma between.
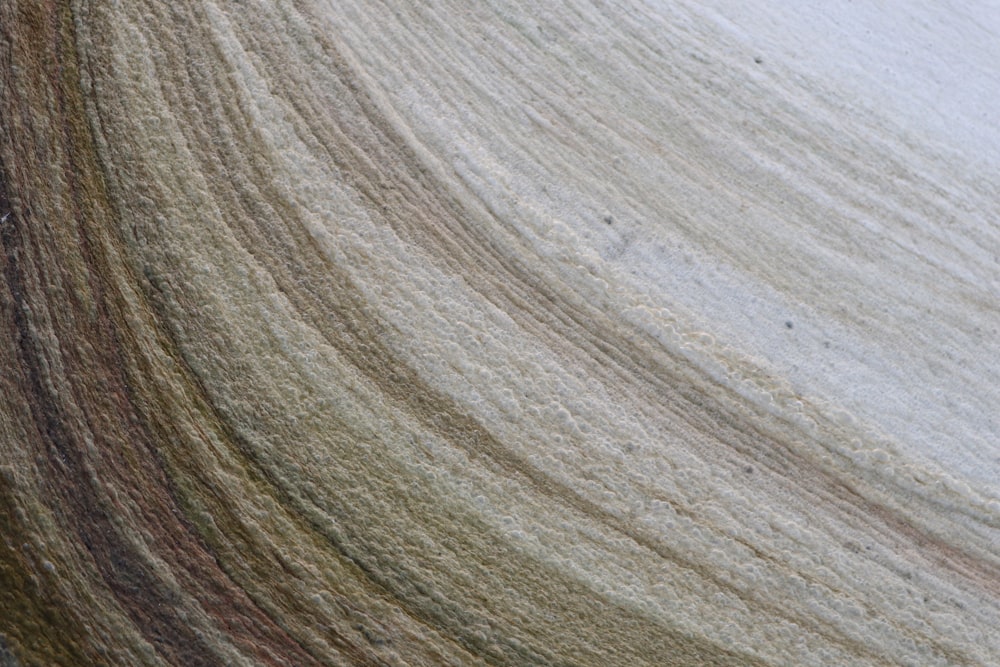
x: 461, y: 333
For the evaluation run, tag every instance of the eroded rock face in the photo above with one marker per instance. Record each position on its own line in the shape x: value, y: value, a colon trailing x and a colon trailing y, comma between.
x: 370, y: 333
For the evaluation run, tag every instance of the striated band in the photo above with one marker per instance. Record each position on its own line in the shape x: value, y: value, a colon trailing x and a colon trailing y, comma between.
x: 385, y: 333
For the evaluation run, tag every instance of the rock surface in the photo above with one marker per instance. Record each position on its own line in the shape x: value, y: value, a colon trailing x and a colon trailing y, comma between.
x: 460, y: 333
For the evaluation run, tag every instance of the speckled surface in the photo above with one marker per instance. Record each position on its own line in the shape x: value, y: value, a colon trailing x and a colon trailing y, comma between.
x: 342, y: 333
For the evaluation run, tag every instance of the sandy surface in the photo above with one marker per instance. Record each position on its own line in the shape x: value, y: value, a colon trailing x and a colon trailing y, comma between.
x: 640, y: 333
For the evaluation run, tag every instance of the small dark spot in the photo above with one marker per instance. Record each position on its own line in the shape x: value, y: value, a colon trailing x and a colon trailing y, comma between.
x: 748, y: 470
x: 788, y: 324
x: 758, y: 60
x: 608, y: 219
x: 853, y: 547
x: 826, y: 344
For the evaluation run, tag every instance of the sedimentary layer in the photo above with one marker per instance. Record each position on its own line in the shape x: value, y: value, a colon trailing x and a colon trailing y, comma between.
x: 390, y: 333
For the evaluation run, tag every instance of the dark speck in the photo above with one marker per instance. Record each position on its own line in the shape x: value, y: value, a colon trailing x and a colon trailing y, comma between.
x: 608, y: 219
x: 758, y: 60
x: 788, y: 324
x: 748, y: 469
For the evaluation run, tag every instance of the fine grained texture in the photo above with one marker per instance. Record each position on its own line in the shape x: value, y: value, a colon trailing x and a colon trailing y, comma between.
x: 461, y: 333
